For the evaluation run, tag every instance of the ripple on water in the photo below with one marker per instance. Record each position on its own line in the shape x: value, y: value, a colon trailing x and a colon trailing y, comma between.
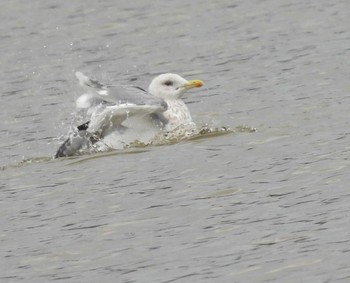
x: 168, y: 138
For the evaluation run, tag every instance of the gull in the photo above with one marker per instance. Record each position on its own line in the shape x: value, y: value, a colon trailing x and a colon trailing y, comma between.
x: 118, y: 116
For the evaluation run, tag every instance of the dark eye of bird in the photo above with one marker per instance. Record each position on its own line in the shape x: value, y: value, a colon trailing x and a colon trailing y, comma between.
x: 168, y: 83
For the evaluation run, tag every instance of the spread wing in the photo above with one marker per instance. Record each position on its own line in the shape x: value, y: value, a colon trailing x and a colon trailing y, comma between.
x: 103, y: 96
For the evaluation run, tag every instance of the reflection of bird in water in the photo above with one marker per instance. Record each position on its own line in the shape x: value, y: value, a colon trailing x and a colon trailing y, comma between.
x: 120, y: 116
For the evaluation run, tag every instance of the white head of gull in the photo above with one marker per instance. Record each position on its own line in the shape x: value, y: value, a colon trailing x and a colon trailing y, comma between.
x: 171, y: 86
x: 118, y: 116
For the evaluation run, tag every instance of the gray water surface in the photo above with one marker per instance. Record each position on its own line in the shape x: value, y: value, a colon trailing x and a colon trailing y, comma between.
x: 264, y: 206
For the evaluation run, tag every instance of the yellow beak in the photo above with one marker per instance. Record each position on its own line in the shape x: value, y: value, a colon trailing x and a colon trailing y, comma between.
x: 193, y: 83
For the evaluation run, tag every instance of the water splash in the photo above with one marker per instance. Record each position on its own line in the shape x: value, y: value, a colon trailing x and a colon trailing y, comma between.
x: 181, y: 133
x: 184, y: 133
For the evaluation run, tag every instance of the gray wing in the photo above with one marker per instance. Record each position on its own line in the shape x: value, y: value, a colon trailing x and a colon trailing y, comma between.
x: 100, y: 94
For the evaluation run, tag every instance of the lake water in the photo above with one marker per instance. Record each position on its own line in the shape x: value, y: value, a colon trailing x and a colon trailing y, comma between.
x: 264, y: 206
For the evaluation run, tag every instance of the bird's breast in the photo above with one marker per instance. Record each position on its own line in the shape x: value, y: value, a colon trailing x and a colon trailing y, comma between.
x: 177, y: 114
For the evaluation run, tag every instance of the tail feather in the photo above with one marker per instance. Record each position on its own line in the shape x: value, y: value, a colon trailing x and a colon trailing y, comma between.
x: 78, y: 140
